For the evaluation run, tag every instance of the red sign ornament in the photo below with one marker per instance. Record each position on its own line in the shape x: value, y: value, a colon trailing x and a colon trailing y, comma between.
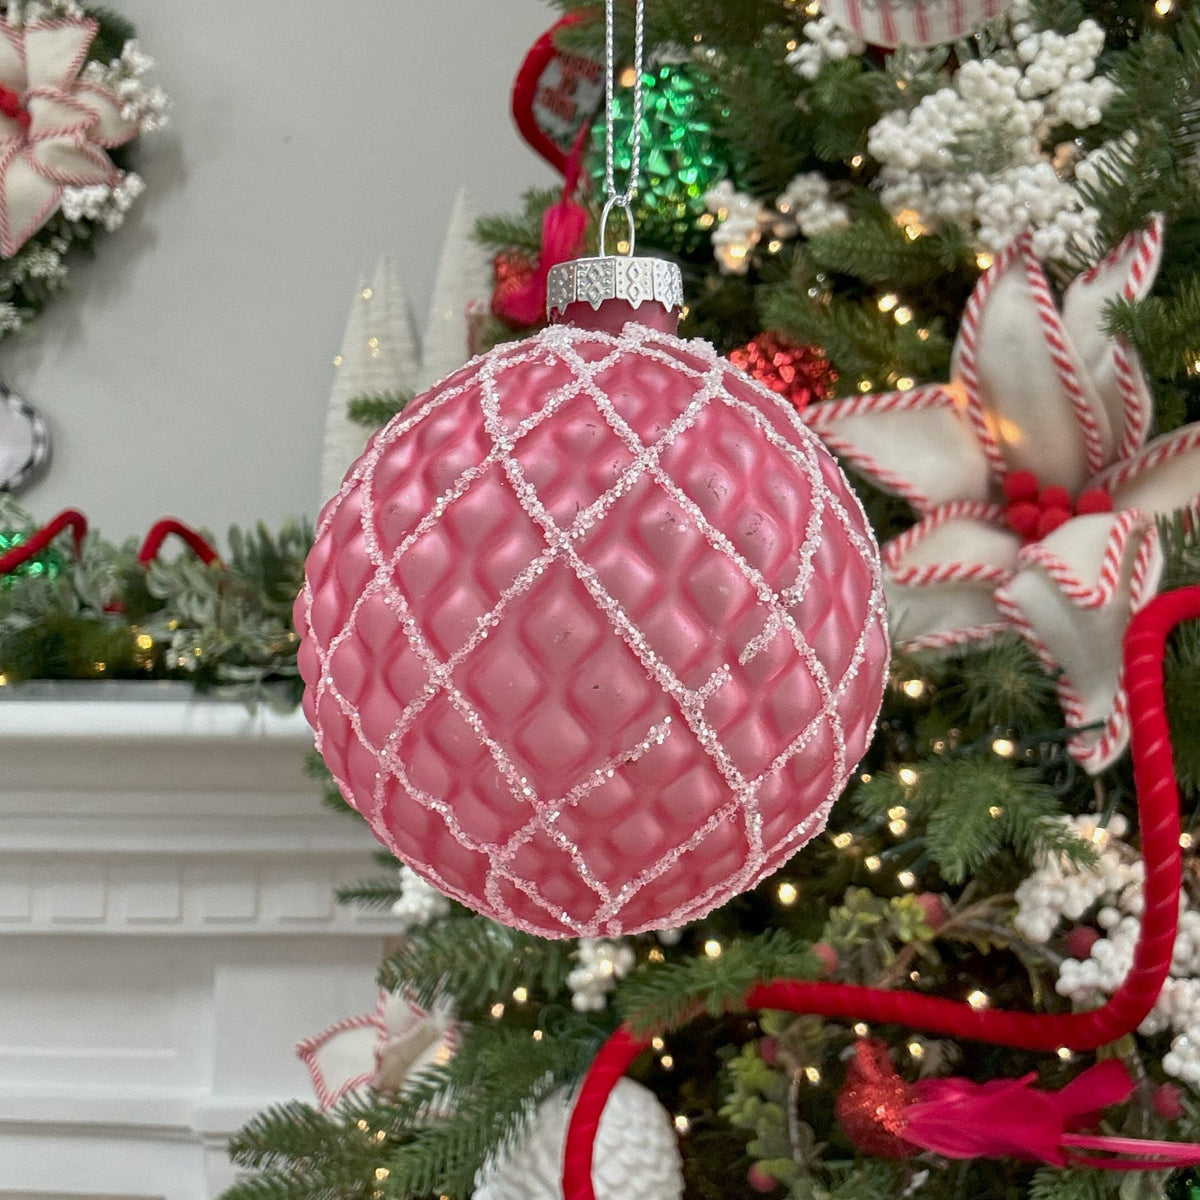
x: 555, y: 95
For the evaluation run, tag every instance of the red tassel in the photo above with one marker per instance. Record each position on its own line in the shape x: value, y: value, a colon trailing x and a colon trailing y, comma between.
x: 563, y: 228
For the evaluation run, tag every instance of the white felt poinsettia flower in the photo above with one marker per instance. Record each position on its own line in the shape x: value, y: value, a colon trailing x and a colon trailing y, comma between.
x: 384, y: 1049
x: 55, y: 128
x: 1036, y: 488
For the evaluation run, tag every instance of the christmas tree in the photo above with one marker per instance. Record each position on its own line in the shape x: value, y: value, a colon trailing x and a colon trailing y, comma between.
x: 971, y: 266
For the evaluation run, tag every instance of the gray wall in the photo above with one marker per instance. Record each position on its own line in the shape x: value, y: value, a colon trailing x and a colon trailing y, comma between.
x: 188, y: 370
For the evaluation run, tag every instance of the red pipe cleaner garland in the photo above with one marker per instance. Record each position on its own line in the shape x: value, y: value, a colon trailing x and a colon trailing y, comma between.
x: 1158, y: 815
x: 161, y: 530
x: 37, y: 542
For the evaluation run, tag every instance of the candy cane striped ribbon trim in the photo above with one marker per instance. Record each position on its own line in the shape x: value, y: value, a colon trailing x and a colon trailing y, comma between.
x: 1063, y: 358
x: 894, y: 552
x: 823, y: 418
x: 1079, y: 592
x: 967, y: 351
x: 1159, y: 451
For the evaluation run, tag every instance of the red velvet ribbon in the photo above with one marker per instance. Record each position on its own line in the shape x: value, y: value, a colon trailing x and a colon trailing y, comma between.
x: 69, y: 518
x: 1158, y: 815
x: 161, y: 530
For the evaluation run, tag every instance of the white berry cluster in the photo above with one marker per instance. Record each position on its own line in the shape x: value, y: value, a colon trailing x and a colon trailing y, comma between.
x: 419, y: 902
x: 42, y: 10
x: 824, y: 42
x: 806, y: 206
x: 99, y: 202
x: 126, y: 76
x: 1113, y: 888
x: 602, y: 962
x: 740, y: 223
x: 972, y: 153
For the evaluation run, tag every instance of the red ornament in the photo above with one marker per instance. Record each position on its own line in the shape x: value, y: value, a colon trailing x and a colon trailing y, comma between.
x: 800, y: 374
x: 512, y: 271
x: 760, y: 1180
x: 555, y: 95
x: 935, y: 909
x: 593, y: 633
x: 872, y: 1103
x: 1081, y: 939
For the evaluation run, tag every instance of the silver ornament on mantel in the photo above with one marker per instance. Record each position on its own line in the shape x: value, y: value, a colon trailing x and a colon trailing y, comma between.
x: 636, y: 1156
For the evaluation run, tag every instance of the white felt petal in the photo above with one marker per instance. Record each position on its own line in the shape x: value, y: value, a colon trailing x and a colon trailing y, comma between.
x: 53, y: 113
x: 1113, y: 369
x: 940, y: 577
x: 1162, y: 477
x: 73, y: 162
x: 341, y: 1058
x: 110, y: 129
x: 55, y: 50
x: 12, y: 62
x: 1072, y: 598
x: 27, y: 200
x: 1019, y: 373
x: 915, y: 444
x: 941, y: 615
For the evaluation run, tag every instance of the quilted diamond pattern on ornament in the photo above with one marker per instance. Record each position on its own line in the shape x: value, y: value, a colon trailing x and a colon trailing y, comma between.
x: 593, y: 633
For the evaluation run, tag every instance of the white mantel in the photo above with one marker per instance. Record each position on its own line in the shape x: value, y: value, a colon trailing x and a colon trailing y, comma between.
x: 168, y: 932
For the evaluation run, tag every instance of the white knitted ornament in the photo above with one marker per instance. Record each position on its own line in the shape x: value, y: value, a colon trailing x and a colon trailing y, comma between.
x: 636, y: 1157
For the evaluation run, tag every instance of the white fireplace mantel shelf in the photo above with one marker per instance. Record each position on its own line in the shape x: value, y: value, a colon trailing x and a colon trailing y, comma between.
x: 168, y: 932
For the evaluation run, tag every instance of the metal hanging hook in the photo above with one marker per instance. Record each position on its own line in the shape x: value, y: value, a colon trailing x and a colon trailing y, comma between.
x: 624, y: 199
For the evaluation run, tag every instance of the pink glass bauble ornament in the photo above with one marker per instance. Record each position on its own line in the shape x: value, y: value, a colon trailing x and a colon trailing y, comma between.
x: 593, y: 633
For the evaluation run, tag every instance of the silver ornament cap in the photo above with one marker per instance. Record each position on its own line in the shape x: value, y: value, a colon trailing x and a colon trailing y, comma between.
x: 592, y: 281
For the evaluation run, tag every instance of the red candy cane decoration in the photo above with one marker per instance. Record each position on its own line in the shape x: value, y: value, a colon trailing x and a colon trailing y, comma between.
x: 1158, y: 815
x: 70, y: 518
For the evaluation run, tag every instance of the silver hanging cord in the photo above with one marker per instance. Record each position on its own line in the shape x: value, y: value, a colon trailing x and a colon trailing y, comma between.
x: 612, y: 198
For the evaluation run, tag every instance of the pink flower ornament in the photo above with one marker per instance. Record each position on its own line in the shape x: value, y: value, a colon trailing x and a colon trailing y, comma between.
x: 1036, y: 488
x: 55, y: 128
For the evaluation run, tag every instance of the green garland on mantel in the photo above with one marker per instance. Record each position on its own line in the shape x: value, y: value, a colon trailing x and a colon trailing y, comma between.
x: 100, y: 614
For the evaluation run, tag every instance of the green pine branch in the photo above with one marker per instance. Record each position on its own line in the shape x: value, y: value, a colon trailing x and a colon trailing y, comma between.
x: 1051, y: 1183
x: 973, y: 810
x: 494, y: 1082
x: 376, y: 410
x: 518, y: 231
x: 379, y: 893
x: 476, y: 961
x: 302, y: 1147
x: 660, y: 997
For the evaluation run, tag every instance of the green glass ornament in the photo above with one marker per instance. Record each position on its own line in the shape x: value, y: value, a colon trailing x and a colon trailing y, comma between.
x: 682, y: 155
x: 48, y: 563
x: 1184, y: 1185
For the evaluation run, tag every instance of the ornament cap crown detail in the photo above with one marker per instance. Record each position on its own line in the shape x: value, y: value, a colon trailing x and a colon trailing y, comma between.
x: 594, y: 280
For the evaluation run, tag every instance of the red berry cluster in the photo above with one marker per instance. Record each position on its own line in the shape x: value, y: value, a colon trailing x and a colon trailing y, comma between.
x: 799, y: 373
x: 11, y: 106
x: 1035, y: 512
